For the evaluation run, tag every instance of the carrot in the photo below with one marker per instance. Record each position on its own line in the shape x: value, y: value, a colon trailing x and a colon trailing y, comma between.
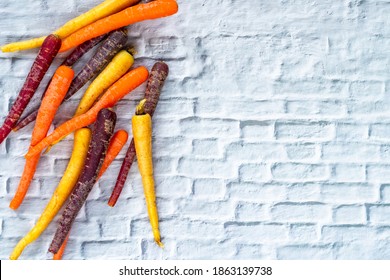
x: 103, y: 55
x: 140, y: 12
x: 104, y: 9
x: 142, y: 134
x: 119, y: 65
x: 116, y: 144
x: 38, y: 70
x: 53, y: 97
x: 117, y: 91
x: 58, y: 255
x: 80, y: 147
x: 101, y: 135
x: 156, y: 80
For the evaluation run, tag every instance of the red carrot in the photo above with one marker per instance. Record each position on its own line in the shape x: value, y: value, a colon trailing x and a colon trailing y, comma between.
x: 113, y: 43
x: 101, y: 135
x: 156, y: 80
x: 58, y: 256
x: 38, y: 70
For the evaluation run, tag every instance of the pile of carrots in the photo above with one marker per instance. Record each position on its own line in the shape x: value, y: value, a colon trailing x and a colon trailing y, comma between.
x: 96, y: 143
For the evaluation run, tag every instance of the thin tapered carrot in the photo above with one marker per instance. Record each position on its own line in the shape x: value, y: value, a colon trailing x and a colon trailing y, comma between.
x: 58, y: 256
x: 117, y: 142
x: 50, y: 103
x: 139, y: 12
x: 117, y: 91
x: 142, y: 134
x: 100, y: 11
x: 80, y: 147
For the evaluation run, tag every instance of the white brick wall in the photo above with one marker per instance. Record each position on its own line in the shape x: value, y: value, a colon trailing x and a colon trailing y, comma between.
x: 271, y: 139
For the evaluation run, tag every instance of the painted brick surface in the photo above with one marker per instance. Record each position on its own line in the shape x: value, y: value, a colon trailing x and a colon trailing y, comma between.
x: 271, y: 139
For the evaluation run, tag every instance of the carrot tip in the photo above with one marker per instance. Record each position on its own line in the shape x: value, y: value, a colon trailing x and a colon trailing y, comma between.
x: 160, y: 244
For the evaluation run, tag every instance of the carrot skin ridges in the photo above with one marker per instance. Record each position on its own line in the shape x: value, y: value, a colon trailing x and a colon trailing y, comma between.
x: 101, y: 135
x: 109, y: 48
x: 38, y: 70
x: 156, y: 80
x: 82, y: 49
x: 137, y: 13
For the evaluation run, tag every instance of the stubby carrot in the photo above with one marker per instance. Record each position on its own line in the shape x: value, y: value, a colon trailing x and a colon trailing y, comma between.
x: 156, y: 80
x: 104, y: 9
x: 142, y: 134
x: 113, y: 43
x: 117, y: 91
x: 116, y: 144
x: 58, y: 256
x: 38, y: 70
x: 50, y: 103
x: 101, y: 135
x: 61, y: 193
x: 139, y: 12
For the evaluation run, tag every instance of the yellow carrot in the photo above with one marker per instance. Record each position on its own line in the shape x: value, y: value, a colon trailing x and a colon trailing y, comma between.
x: 119, y: 65
x: 100, y: 11
x: 142, y: 134
x: 81, y: 142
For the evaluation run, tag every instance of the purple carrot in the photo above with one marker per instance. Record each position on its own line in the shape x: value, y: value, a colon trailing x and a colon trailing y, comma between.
x: 48, y: 51
x: 101, y: 135
x: 156, y: 80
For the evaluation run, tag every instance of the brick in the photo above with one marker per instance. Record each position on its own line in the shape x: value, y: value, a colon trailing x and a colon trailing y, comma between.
x: 248, y: 252
x: 366, y: 89
x: 385, y: 193
x: 302, y: 151
x: 300, y: 213
x: 206, y: 148
x: 254, y: 173
x: 345, y: 152
x: 303, y: 232
x: 299, y: 172
x: 251, y: 212
x: 349, y: 173
x: 346, y: 233
x: 378, y: 214
x: 254, y: 130
x: 255, y: 152
x: 200, y: 250
x: 315, y: 108
x: 269, y: 233
x: 257, y: 192
x: 202, y: 168
x: 199, y: 208
x: 379, y: 132
x: 111, y: 250
x: 304, y: 130
x: 304, y: 192
x: 305, y: 252
x: 349, y: 214
x: 349, y: 193
x: 171, y: 146
x: 351, y: 132
x: 117, y: 228
x: 378, y: 172
x: 201, y: 127
x: 213, y: 189
x: 16, y: 227
x: 173, y: 186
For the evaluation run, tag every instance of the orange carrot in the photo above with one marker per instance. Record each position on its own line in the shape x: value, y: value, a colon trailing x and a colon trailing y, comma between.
x: 140, y: 12
x: 50, y: 103
x: 117, y: 91
x: 116, y: 144
x: 58, y: 255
